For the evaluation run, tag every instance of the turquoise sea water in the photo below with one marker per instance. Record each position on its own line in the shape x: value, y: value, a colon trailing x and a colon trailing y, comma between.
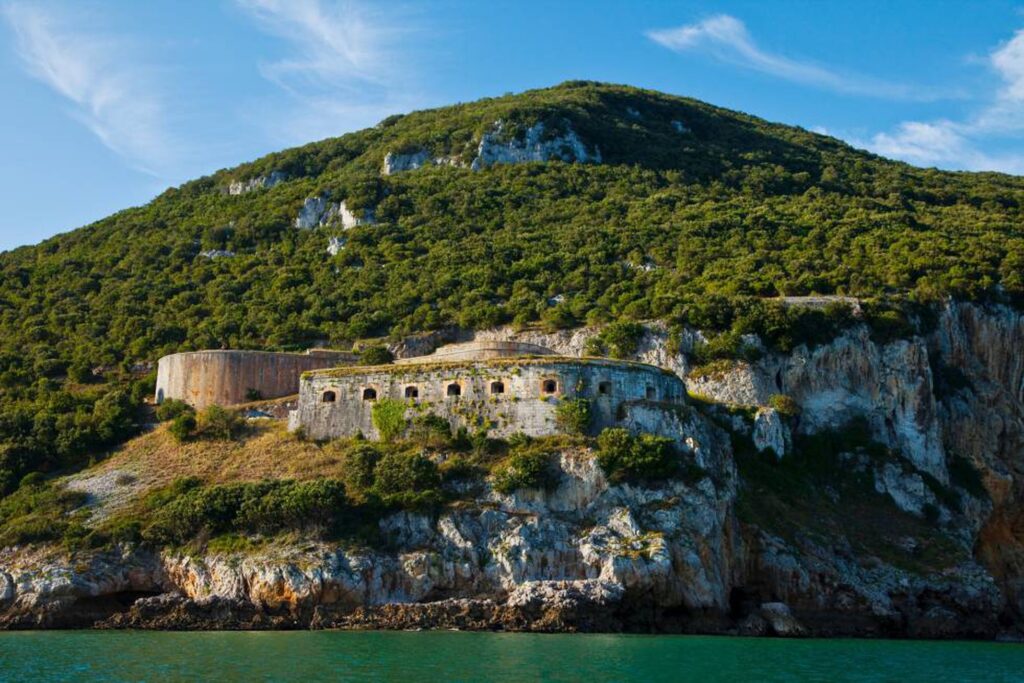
x: 434, y: 657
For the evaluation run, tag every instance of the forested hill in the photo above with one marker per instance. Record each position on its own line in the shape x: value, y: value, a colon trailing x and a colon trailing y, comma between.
x: 645, y: 206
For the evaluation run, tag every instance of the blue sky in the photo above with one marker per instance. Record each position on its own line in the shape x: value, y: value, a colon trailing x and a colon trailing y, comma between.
x: 107, y: 103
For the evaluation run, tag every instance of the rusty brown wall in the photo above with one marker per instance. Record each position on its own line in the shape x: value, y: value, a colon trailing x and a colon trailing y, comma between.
x: 202, y: 378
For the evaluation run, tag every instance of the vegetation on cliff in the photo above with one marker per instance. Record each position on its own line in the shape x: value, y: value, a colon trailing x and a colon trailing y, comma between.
x: 696, y: 215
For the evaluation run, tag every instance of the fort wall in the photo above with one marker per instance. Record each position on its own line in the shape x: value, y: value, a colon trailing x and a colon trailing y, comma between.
x: 203, y: 378
x: 507, y: 395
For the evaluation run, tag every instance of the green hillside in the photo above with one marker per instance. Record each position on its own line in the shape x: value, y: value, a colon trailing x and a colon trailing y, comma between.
x: 694, y: 215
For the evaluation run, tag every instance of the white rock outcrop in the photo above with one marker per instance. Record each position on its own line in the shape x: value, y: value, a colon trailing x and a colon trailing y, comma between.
x: 259, y: 182
x: 216, y: 253
x: 319, y: 211
x: 533, y: 145
x: 395, y: 162
x: 311, y: 213
x: 769, y: 433
x: 335, y: 245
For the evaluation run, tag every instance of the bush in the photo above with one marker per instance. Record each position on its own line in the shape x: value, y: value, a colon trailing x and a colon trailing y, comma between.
x: 431, y: 431
x: 215, y: 422
x: 376, y: 355
x: 406, y: 480
x: 33, y: 479
x: 171, y: 408
x: 358, y: 465
x: 265, y: 507
x: 784, y: 405
x: 623, y: 456
x: 526, y: 469
x: 618, y: 340
x: 293, y: 505
x: 573, y: 415
x: 388, y: 416
x: 183, y: 427
x: 253, y: 394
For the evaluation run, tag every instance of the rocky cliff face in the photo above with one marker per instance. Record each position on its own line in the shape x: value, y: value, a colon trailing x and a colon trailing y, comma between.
x: 498, y: 146
x: 692, y: 554
x: 245, y: 186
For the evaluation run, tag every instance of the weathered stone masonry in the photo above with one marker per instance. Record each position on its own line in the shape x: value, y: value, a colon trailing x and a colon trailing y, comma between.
x: 509, y: 395
x: 203, y: 378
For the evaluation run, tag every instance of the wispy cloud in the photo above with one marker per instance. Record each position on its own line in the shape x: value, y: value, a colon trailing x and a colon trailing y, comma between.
x: 727, y: 39
x: 959, y: 144
x: 344, y: 68
x: 99, y: 75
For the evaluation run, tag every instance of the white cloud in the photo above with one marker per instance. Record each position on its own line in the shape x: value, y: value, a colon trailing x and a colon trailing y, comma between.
x: 958, y: 144
x: 727, y: 39
x: 344, y: 69
x: 110, y: 93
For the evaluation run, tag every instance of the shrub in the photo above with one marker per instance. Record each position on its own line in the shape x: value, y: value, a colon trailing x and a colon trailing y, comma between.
x: 183, y: 427
x: 573, y: 416
x: 171, y: 408
x: 623, y: 456
x: 407, y: 480
x: 526, y: 469
x: 358, y: 465
x: 376, y: 355
x: 613, y: 447
x: 784, y: 405
x: 518, y: 440
x: 388, y: 416
x: 215, y: 422
x: 431, y: 431
x: 265, y: 507
x: 293, y: 505
x: 32, y: 479
x: 618, y: 340
x: 253, y: 394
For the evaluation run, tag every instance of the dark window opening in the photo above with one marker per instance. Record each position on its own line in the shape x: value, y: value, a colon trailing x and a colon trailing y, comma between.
x: 369, y: 394
x: 620, y: 412
x: 412, y: 392
x: 605, y: 388
x: 329, y: 397
x: 454, y: 390
x: 497, y: 387
x: 651, y: 394
x: 549, y: 386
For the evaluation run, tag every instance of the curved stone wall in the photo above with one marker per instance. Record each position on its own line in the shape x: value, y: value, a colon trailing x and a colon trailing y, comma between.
x: 203, y: 378
x: 509, y: 395
x: 479, y: 350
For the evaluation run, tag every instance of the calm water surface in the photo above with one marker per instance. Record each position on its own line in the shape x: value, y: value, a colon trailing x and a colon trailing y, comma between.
x: 439, y: 656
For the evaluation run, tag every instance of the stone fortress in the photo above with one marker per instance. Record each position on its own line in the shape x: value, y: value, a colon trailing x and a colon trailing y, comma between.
x: 507, y: 387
